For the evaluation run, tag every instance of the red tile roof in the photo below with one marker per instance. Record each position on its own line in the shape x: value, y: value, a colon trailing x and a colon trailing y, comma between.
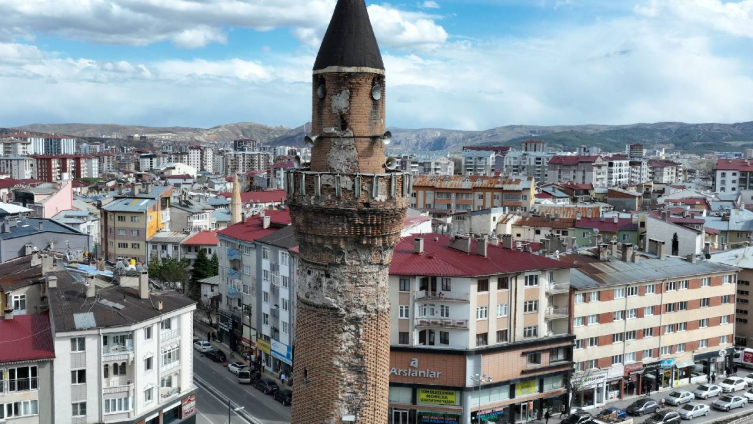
x: 179, y: 177
x: 252, y: 229
x: 26, y: 338
x: 744, y: 165
x: 202, y: 238
x: 9, y: 182
x: 607, y: 224
x: 282, y: 165
x: 439, y: 259
x: 691, y: 201
x: 576, y: 186
x: 543, y: 222
x: 269, y: 196
x: 572, y: 160
x: 660, y: 163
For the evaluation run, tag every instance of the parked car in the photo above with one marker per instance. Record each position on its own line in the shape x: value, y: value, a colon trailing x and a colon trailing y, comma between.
x: 748, y: 395
x: 606, y: 412
x: 692, y: 410
x: 733, y: 384
x: 247, y: 376
x: 727, y: 402
x: 678, y: 397
x: 665, y: 416
x: 285, y: 397
x: 235, y: 367
x: 216, y: 355
x: 705, y: 391
x: 749, y: 379
x: 266, y: 386
x: 202, y: 346
x: 642, y: 407
x: 578, y: 417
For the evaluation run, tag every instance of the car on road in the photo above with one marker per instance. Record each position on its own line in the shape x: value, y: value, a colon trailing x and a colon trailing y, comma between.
x: 578, y: 417
x: 692, y: 410
x: 216, y: 355
x: 705, y: 391
x: 642, y: 407
x: 665, y: 416
x: 733, y: 384
x: 749, y: 379
x: 607, y: 412
x: 247, y: 376
x: 285, y: 397
x: 266, y: 386
x: 202, y: 346
x: 678, y: 397
x: 748, y: 395
x: 727, y: 402
x: 235, y: 367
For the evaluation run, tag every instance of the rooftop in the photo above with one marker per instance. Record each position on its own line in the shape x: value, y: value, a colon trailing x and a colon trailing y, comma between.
x: 28, y: 226
x: 252, y: 229
x: 202, y: 238
x: 269, y: 196
x: 17, y: 273
x: 284, y: 238
x: 743, y: 165
x: 607, y: 224
x: 573, y: 160
x: 470, y: 182
x: 26, y: 338
x: 129, y: 205
x: 350, y: 39
x: 168, y: 237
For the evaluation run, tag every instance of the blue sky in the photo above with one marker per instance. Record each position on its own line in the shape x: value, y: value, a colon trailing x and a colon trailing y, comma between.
x: 464, y: 64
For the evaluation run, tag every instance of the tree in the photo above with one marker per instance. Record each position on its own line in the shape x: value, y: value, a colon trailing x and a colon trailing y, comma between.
x: 170, y: 271
x: 214, y: 269
x: 201, y: 270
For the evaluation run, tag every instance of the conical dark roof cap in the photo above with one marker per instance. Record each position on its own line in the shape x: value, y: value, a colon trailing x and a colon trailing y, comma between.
x: 350, y: 40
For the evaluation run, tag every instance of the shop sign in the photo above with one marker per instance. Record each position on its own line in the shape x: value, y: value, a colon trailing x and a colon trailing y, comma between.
x: 264, y: 346
x: 615, y: 371
x: 246, y: 339
x: 282, y: 352
x: 668, y: 363
x: 437, y: 397
x: 189, y: 406
x: 414, y: 371
x: 224, y: 326
x: 427, y: 417
x: 525, y: 388
x: 587, y: 379
x: 488, y: 415
x: 631, y: 368
x: 652, y: 366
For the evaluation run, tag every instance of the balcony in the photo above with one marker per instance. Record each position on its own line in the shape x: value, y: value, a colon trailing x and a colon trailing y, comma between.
x: 18, y: 385
x: 117, y: 385
x: 441, y: 322
x: 169, y: 335
x: 556, y: 313
x: 168, y: 392
x: 233, y: 273
x: 117, y: 349
x: 442, y: 296
x: 233, y: 255
x: 165, y: 216
x: 557, y: 288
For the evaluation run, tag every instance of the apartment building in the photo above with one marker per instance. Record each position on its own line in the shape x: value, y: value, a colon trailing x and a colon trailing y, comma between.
x: 58, y: 145
x: 635, y: 151
x: 533, y: 163
x: 479, y: 332
x: 618, y: 171
x: 469, y: 193
x: 17, y: 167
x: 534, y: 146
x: 484, y: 160
x: 578, y: 169
x: 207, y: 160
x: 123, y: 353
x: 191, y: 215
x: 133, y: 218
x: 664, y: 172
x: 149, y: 161
x: 638, y: 172
x: 247, y: 145
x: 52, y: 168
x: 243, y: 162
x: 643, y: 322
x: 743, y: 260
x: 203, y: 240
x: 732, y: 175
x: 417, y: 164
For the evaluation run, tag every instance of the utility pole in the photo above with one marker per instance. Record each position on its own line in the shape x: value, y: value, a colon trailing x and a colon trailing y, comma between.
x: 230, y: 410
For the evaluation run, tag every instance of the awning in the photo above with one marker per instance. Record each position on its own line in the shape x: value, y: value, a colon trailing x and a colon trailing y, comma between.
x: 684, y: 364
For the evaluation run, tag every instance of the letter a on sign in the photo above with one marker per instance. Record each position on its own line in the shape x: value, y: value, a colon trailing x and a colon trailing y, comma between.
x: 414, y: 363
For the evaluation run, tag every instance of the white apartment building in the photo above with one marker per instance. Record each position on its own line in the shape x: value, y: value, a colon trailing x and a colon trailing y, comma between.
x: 478, y: 162
x: 122, y: 353
x: 638, y: 172
x: 150, y: 161
x: 18, y: 167
x: 194, y: 157
x: 533, y: 164
x: 207, y: 160
x: 242, y: 162
x: 618, y: 171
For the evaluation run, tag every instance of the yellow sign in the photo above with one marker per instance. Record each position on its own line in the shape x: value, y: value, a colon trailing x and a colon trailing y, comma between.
x: 525, y: 388
x: 437, y: 397
x: 264, y: 346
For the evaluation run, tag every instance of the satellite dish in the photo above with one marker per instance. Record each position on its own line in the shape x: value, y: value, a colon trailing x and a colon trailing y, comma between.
x: 391, y: 163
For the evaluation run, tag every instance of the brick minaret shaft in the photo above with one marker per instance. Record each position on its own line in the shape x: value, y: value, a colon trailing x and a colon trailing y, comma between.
x: 347, y: 211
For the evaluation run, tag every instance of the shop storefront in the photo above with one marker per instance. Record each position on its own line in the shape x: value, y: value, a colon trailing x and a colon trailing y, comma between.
x: 225, y: 329
x: 589, y: 388
x: 615, y: 375
x: 282, y: 356
x: 490, y: 416
x: 265, y: 348
x: 666, y: 373
x: 649, y: 380
x: 631, y: 383
x: 712, y: 362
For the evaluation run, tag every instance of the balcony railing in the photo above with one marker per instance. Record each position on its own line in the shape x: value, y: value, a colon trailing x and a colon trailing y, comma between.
x: 556, y: 313
x: 442, y: 322
x: 18, y: 385
x: 169, y: 335
x: 442, y: 296
x: 117, y: 385
x: 117, y: 350
x: 233, y: 254
x: 233, y: 273
x: 557, y: 288
x: 167, y: 392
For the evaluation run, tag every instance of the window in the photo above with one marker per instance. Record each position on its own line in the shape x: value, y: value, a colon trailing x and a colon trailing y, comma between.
x: 669, y: 329
x: 135, y: 246
x: 724, y: 340
x: 482, y: 339
x: 285, y: 304
x: 579, y: 321
x: 533, y: 358
x: 670, y: 286
x: 148, y: 363
x: 593, y: 342
x: 482, y: 312
x: 703, y: 323
x: 285, y: 326
x: 20, y: 409
x: 705, y: 302
x: 135, y: 219
x: 681, y: 326
x: 166, y: 382
x: 114, y: 406
x: 648, y: 311
x: 725, y: 299
x: 19, y: 302
x: 619, y: 315
x: 78, y: 376
x: 629, y: 357
x: 79, y: 409
x: 529, y: 332
x: 444, y: 311
x: 532, y: 280
x: 591, y: 364
x: 632, y: 313
x: 503, y: 283
x: 531, y: 306
x: 446, y: 284
x: 265, y: 253
x: 580, y: 344
x: 502, y: 310
x: 727, y: 279
x: 679, y: 348
x: 404, y: 284
x: 651, y: 289
x: 404, y: 312
x: 78, y: 344
x: 483, y: 285
x: 402, y: 338
x: 119, y: 369
x: 284, y: 281
x: 616, y: 359
x: 670, y: 307
x: 648, y: 332
x: 703, y: 343
x: 444, y: 337
x: 265, y: 297
x: 122, y: 245
x: 171, y: 356
x: 121, y: 232
x: 632, y: 291
x: 166, y: 324
x: 683, y: 285
x: 666, y: 350
x: 580, y: 298
x: 19, y: 379
x: 149, y: 395
x: 618, y: 337
x: 284, y: 258
x: 724, y: 320
x: 648, y: 353
x: 265, y: 318
x: 682, y: 306
x: 619, y: 293
x: 247, y: 269
x: 501, y: 336
x: 593, y: 319
x: 706, y: 281
x: 148, y: 333
x: 630, y: 335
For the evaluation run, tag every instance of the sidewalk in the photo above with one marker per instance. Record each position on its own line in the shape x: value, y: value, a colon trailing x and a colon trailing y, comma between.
x: 201, y: 330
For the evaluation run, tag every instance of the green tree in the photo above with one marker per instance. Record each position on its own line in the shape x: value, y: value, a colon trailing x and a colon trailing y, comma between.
x: 214, y: 269
x: 173, y: 271
x: 201, y: 270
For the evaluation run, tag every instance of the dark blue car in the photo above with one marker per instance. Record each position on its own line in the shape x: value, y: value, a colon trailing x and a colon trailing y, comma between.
x: 621, y: 415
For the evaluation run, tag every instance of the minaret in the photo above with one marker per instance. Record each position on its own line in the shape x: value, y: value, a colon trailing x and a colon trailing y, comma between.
x: 347, y: 211
x: 235, y: 202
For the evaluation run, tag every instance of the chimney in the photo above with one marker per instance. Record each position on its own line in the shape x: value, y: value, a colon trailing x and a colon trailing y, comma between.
x: 9, y: 314
x: 692, y: 258
x: 507, y: 241
x: 28, y: 249
x: 707, y: 250
x: 41, y: 224
x: 603, y: 252
x: 613, y: 247
x: 48, y: 263
x: 52, y: 282
x: 664, y: 215
x: 616, y: 219
x: 461, y: 243
x: 482, y: 247
x: 578, y: 216
x: 595, y: 239
x: 136, y: 189
x: 627, y: 252
x: 6, y: 226
x: 144, y: 285
x: 636, y: 257
x: 91, y: 288
x: 265, y: 221
x: 147, y: 187
x: 159, y: 305
x: 120, y: 189
x: 418, y: 245
x: 546, y: 246
x: 660, y: 250
x: 494, y: 241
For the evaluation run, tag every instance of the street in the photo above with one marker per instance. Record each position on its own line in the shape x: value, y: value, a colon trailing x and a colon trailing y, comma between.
x: 212, y: 411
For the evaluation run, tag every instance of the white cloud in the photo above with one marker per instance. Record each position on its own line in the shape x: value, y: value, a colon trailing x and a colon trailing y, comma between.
x: 731, y: 17
x: 395, y: 28
x: 430, y: 5
x: 198, y: 37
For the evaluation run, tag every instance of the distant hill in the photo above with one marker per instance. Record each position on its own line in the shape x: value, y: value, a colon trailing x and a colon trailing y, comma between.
x: 692, y: 138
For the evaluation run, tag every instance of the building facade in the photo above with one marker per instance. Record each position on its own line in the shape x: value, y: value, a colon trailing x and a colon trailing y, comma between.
x: 471, y: 193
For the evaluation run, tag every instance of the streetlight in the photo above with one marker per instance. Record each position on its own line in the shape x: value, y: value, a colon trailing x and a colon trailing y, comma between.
x: 479, y: 379
x: 230, y: 410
